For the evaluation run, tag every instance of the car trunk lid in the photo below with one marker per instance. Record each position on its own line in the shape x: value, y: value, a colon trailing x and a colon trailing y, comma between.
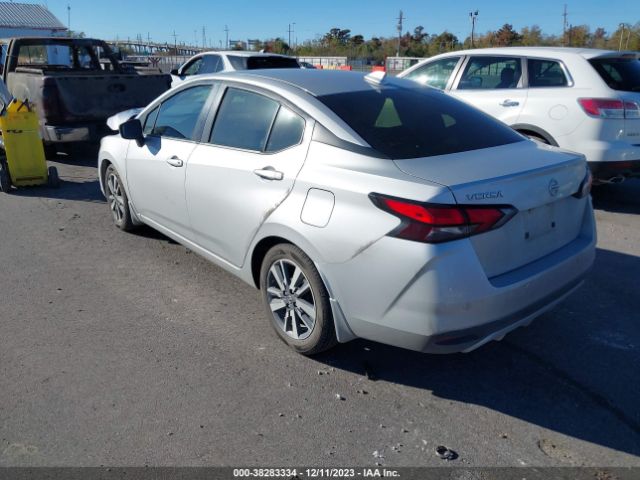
x: 539, y: 181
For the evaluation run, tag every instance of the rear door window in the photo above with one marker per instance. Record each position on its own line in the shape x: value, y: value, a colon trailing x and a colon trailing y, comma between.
x: 435, y: 74
x: 545, y: 73
x: 244, y: 120
x: 417, y: 122
x: 262, y: 61
x: 487, y: 73
x: 619, y: 73
x: 286, y: 132
x: 179, y: 114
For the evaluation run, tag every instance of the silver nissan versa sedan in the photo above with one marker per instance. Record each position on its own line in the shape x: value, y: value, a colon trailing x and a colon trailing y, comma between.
x: 360, y: 205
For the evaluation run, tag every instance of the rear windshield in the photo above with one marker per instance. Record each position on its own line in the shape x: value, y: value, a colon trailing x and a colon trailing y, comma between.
x: 619, y: 73
x: 411, y: 123
x: 254, y: 63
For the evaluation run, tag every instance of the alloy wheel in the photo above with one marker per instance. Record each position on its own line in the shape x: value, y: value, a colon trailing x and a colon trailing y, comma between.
x: 115, y: 197
x: 291, y: 299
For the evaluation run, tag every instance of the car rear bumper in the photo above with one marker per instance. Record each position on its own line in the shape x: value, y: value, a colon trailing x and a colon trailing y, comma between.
x: 438, y: 299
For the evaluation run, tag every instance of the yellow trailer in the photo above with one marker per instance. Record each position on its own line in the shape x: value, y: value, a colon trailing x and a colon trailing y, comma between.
x: 24, y: 162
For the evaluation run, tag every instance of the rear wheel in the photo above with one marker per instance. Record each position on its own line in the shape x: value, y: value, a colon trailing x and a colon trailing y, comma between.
x: 117, y: 200
x: 296, y: 300
x: 536, y: 138
x: 5, y: 178
x: 53, y: 180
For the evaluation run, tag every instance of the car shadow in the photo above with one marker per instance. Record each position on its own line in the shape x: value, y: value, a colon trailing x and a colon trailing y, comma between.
x: 618, y: 198
x: 573, y: 371
x: 80, y: 189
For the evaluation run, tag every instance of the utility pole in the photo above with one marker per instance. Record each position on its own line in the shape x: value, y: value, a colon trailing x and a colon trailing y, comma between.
x: 291, y: 30
x: 400, y: 20
x: 564, y: 25
x: 204, y: 38
x: 226, y: 31
x: 622, y: 25
x: 570, y: 34
x: 474, y: 18
x: 69, y: 19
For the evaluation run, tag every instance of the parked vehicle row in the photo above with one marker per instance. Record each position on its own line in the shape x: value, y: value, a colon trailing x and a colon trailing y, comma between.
x: 360, y: 205
x: 582, y: 100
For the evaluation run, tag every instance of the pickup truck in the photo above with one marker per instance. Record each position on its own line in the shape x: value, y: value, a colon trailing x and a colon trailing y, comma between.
x: 74, y: 94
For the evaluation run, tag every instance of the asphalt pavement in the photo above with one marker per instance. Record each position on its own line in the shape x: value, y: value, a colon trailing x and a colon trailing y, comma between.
x: 129, y: 350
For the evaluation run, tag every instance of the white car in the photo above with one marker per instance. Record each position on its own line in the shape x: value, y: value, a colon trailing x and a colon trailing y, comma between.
x: 214, y: 62
x: 583, y: 100
x: 361, y: 206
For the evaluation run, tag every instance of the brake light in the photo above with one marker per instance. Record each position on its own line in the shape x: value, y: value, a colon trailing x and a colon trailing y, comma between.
x: 609, y: 108
x: 435, y: 223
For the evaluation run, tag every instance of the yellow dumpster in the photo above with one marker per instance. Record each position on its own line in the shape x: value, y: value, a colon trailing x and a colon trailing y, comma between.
x: 24, y: 163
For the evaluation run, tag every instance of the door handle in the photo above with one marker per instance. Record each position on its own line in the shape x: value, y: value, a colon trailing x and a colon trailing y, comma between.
x: 510, y: 103
x: 269, y: 173
x: 175, y: 161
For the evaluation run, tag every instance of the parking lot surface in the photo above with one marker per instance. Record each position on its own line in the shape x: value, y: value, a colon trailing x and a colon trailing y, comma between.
x: 127, y: 349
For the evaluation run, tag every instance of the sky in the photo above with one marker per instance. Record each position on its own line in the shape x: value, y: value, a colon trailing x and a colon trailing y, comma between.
x: 158, y: 19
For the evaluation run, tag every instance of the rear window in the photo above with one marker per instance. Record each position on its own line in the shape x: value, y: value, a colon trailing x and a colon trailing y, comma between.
x: 619, y: 73
x: 411, y: 123
x: 260, y: 62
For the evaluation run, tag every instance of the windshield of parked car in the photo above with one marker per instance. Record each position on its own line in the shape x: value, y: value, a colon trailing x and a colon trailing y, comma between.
x: 411, y: 123
x: 262, y: 61
x: 619, y: 73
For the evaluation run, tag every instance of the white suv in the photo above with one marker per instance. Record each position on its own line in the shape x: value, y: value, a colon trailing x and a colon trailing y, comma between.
x: 583, y: 100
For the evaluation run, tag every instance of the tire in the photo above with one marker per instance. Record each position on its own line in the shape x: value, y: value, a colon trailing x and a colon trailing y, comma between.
x: 293, y: 321
x: 117, y: 200
x: 53, y: 179
x: 5, y: 178
x: 537, y: 138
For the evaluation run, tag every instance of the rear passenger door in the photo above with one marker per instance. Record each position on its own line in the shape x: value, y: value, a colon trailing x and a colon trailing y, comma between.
x: 244, y: 168
x: 550, y: 104
x: 493, y: 84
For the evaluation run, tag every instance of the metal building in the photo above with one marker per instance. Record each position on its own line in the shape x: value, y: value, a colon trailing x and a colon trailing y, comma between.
x: 28, y: 20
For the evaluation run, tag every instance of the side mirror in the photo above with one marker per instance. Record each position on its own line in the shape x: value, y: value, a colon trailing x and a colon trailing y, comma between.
x: 132, y: 130
x: 175, y: 72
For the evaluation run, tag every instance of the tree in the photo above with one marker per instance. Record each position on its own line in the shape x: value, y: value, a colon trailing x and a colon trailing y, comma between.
x: 531, y: 36
x: 507, y: 36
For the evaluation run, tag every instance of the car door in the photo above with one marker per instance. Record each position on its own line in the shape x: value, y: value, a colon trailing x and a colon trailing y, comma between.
x: 551, y: 106
x: 156, y: 170
x: 245, y: 167
x: 493, y: 84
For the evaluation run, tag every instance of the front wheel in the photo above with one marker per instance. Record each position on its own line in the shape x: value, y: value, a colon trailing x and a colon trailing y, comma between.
x: 117, y: 200
x: 53, y: 180
x: 296, y: 300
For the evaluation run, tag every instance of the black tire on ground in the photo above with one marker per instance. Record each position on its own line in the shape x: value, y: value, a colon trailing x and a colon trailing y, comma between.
x: 53, y: 179
x: 5, y: 178
x: 117, y: 200
x: 323, y: 335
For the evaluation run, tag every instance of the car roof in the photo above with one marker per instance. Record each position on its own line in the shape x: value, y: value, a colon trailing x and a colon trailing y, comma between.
x: 315, y: 82
x: 558, y: 52
x: 243, y: 53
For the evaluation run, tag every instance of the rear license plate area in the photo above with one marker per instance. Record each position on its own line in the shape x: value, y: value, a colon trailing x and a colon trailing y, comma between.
x: 539, y: 221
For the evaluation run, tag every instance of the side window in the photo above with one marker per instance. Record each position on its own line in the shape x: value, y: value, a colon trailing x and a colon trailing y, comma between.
x: 286, y: 132
x: 546, y: 73
x: 435, y: 74
x: 193, y: 68
x: 211, y: 64
x: 484, y: 73
x: 244, y: 120
x: 150, y: 121
x: 179, y: 114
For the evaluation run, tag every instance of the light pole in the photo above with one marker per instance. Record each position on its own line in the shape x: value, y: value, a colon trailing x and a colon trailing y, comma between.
x: 622, y: 25
x: 473, y: 16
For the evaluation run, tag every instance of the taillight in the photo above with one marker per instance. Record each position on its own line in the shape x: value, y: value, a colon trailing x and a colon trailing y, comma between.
x: 609, y: 108
x: 435, y: 223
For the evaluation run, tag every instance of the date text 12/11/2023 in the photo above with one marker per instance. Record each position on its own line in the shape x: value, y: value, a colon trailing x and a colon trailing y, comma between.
x: 292, y: 473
